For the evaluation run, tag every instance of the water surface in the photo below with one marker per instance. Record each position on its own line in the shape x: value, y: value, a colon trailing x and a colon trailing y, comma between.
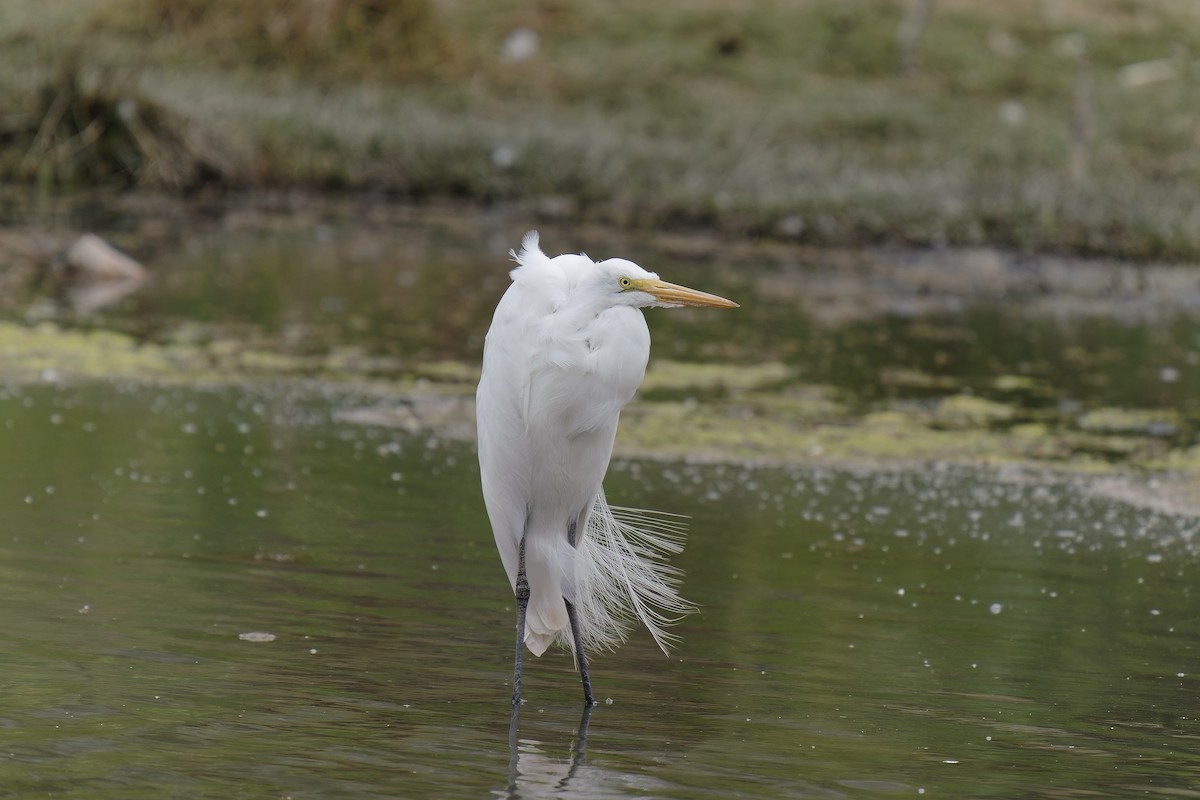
x: 1051, y: 338
x: 940, y: 633
x: 235, y: 591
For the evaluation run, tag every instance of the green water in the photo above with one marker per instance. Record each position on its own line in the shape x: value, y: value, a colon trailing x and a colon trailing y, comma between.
x: 409, y: 287
x: 939, y: 633
x: 942, y: 632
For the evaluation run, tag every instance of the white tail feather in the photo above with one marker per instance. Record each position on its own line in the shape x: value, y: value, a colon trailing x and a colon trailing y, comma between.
x: 620, y: 575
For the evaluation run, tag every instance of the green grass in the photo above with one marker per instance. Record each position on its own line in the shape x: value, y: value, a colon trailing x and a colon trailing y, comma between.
x: 783, y: 119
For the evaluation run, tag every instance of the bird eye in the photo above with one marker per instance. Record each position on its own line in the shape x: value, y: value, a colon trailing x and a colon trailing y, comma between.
x: 626, y: 283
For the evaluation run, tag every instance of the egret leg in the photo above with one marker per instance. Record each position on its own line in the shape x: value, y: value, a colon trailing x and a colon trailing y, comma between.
x: 573, y: 617
x: 522, y: 594
x: 580, y: 656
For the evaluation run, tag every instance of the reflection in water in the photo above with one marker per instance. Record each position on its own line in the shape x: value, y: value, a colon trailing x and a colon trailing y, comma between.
x: 965, y: 633
x: 97, y: 275
x: 1041, y: 333
x: 88, y: 297
x: 959, y: 632
x: 532, y: 774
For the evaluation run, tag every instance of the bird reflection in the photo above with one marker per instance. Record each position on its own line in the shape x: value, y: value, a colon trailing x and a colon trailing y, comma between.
x: 533, y: 774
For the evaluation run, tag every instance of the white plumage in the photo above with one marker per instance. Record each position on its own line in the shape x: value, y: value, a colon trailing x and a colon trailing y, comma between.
x: 566, y: 351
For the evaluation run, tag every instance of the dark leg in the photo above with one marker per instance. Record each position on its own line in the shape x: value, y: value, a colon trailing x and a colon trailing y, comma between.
x: 522, y: 594
x: 580, y: 656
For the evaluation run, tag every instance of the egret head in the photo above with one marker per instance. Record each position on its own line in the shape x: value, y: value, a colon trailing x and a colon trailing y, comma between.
x: 629, y: 284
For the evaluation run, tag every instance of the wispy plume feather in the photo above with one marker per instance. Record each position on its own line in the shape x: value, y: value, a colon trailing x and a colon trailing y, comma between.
x: 621, y: 576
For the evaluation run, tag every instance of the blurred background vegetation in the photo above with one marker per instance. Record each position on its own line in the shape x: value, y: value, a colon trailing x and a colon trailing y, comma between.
x: 1067, y: 125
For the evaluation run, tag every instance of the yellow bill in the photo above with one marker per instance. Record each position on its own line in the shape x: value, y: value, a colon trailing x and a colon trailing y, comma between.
x: 677, y: 295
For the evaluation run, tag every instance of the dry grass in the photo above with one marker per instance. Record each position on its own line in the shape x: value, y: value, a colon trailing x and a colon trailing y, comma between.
x: 337, y: 39
x: 83, y: 129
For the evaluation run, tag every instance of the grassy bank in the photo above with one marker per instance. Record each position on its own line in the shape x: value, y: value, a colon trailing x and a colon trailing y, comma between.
x: 1024, y: 124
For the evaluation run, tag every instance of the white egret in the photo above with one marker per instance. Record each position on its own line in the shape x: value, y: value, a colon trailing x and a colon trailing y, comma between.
x: 566, y: 351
